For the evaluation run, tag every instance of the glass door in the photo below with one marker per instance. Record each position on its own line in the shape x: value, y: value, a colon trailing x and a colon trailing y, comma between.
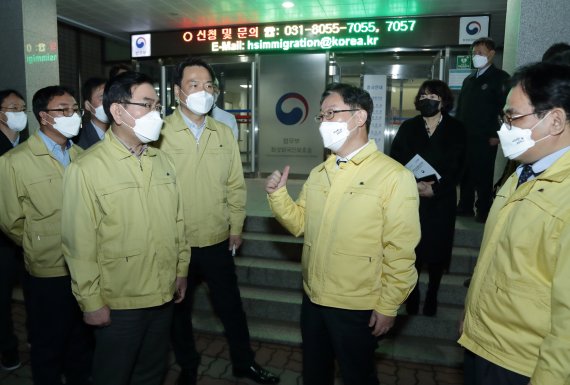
x: 405, y: 71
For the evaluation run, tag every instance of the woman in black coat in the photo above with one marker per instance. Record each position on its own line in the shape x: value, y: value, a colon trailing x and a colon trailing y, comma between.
x: 440, y: 140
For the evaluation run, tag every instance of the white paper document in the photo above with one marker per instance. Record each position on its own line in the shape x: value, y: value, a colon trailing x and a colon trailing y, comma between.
x: 421, y: 168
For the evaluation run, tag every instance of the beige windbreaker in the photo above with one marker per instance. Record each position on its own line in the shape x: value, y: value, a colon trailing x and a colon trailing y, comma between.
x: 361, y: 226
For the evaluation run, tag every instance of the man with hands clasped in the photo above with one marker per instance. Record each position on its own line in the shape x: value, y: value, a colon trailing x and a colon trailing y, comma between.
x: 358, y: 212
x: 208, y: 163
x: 123, y: 238
x: 30, y: 214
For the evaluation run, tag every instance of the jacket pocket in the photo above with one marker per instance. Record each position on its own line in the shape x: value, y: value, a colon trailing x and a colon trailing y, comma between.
x: 514, y: 310
x: 127, y: 273
x: 45, y: 239
x: 46, y: 204
x: 306, y: 260
x: 351, y: 274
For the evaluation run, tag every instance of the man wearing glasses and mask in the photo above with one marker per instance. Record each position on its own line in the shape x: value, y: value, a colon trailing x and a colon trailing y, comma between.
x: 31, y: 196
x: 123, y: 238
x: 208, y: 165
x: 517, y: 311
x: 358, y: 212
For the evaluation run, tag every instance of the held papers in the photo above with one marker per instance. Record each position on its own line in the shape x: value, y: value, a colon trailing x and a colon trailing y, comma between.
x: 422, y: 169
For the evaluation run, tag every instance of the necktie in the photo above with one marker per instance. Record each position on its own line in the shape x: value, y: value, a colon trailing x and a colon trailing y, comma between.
x: 525, y: 174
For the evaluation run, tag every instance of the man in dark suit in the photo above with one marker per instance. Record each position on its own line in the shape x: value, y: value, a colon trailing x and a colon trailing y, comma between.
x: 13, y: 120
x: 97, y: 122
x: 479, y: 105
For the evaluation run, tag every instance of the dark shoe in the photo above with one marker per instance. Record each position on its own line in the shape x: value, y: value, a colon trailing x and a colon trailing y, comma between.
x: 430, y: 305
x: 10, y: 360
x: 257, y: 374
x: 187, y: 377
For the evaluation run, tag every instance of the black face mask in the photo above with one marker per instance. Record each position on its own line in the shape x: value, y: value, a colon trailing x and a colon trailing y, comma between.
x: 428, y: 107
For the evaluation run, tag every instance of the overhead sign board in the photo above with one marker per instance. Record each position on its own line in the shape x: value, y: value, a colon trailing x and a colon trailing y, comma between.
x: 302, y: 36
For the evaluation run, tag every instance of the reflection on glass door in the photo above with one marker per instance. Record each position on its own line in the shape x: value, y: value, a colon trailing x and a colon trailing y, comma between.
x: 236, y: 97
x: 405, y: 72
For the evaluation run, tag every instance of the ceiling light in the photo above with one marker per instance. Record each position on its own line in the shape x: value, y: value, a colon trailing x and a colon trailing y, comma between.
x: 287, y: 4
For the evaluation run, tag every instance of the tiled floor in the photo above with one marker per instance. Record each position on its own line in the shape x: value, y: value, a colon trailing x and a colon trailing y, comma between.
x: 284, y: 360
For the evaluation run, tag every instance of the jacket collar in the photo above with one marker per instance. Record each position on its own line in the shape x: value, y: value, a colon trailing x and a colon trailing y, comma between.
x: 558, y: 171
x: 118, y: 150
x: 178, y: 123
x: 38, y: 146
x: 363, y: 154
x: 489, y: 70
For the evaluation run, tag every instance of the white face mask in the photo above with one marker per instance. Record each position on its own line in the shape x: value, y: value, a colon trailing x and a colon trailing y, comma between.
x: 334, y: 134
x: 200, y: 102
x: 147, y: 128
x: 68, y: 126
x: 480, y: 61
x: 517, y: 141
x: 100, y: 114
x: 16, y: 121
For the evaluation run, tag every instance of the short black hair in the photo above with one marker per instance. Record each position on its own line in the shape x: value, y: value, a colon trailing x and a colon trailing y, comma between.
x: 554, y: 50
x: 190, y: 62
x: 5, y: 93
x: 486, y: 41
x: 119, y: 89
x: 547, y: 86
x: 89, y: 85
x: 114, y: 71
x: 438, y: 88
x: 355, y: 97
x: 562, y: 58
x: 43, y: 96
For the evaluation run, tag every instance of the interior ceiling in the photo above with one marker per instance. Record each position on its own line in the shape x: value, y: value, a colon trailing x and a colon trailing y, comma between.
x: 119, y: 18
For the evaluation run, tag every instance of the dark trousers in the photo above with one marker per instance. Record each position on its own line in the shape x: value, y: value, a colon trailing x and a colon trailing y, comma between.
x: 330, y: 333
x: 478, y: 178
x: 479, y: 371
x: 61, y: 343
x: 215, y: 266
x: 133, y: 349
x: 11, y: 268
x: 435, y: 271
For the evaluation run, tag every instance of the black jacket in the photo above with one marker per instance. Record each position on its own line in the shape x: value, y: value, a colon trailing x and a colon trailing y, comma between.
x: 444, y: 151
x: 481, y: 102
x: 87, y: 136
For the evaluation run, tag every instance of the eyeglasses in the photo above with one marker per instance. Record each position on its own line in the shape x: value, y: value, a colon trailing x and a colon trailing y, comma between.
x: 508, y: 120
x: 328, y: 115
x: 69, y: 111
x: 17, y: 109
x: 149, y: 106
